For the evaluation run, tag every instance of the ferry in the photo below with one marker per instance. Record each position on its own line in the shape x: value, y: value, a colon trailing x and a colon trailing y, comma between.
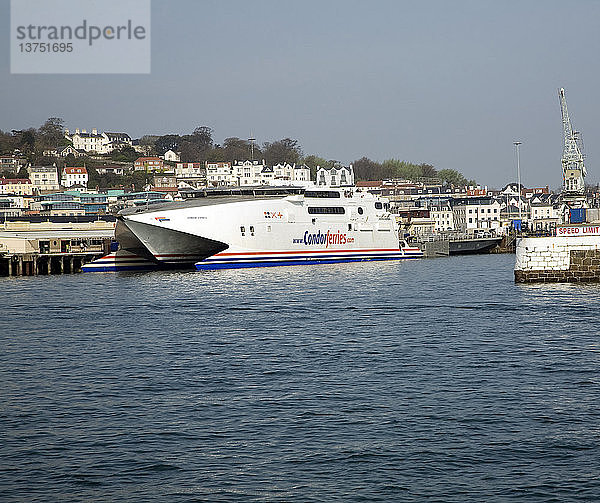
x: 311, y: 226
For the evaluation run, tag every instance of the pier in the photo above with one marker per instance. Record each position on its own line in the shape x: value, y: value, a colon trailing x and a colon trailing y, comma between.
x: 30, y: 249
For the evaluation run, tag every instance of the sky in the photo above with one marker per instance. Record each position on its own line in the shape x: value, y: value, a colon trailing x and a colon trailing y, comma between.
x: 449, y: 83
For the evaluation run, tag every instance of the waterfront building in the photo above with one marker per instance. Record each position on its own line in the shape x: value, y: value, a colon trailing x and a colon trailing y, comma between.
x: 291, y: 172
x: 16, y: 186
x: 249, y: 172
x: 44, y: 178
x: 476, y: 214
x: 71, y: 176
x: 219, y: 174
x: 442, y: 216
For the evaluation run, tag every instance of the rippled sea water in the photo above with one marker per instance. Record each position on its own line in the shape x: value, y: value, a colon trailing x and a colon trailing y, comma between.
x: 429, y: 380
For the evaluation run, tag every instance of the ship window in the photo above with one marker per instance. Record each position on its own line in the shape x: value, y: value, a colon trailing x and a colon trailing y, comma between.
x: 322, y: 193
x: 378, y: 205
x: 243, y: 230
x: 252, y: 230
x: 326, y: 210
x: 360, y: 210
x: 349, y: 227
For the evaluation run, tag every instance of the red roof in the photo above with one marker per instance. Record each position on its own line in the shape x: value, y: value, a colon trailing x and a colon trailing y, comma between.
x: 75, y: 170
x: 6, y: 181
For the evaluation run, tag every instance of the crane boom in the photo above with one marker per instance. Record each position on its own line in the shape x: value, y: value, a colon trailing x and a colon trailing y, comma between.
x: 572, y: 159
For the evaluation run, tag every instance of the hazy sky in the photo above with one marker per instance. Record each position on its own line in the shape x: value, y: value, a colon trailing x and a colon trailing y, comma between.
x: 450, y: 83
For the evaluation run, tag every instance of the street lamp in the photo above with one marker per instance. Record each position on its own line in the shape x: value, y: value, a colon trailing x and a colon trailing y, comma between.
x: 517, y: 143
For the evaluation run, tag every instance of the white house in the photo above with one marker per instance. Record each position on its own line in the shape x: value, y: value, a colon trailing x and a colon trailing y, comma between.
x: 477, y: 214
x: 291, y: 172
x: 74, y: 176
x: 250, y: 172
x: 219, y: 174
x: 169, y: 155
x: 44, y: 178
x: 337, y: 176
x: 442, y: 216
x: 99, y: 143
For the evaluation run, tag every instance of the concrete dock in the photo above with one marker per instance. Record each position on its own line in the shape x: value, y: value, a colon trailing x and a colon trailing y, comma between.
x: 29, y: 249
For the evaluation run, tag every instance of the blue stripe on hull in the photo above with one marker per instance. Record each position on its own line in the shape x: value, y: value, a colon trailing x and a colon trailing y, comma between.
x: 209, y: 266
x: 117, y: 268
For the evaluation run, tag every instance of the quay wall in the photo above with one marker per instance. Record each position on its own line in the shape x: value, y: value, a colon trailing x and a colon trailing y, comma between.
x: 558, y: 259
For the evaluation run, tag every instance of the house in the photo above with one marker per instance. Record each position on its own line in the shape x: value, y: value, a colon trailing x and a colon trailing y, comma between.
x: 64, y: 151
x: 16, y: 186
x: 443, y: 217
x: 148, y: 164
x: 291, y: 172
x: 71, y: 176
x: 100, y: 143
x: 476, y: 214
x: 337, y: 176
x: 190, y: 170
x: 11, y: 162
x: 171, y: 156
x: 219, y: 174
x: 44, y: 178
x: 115, y: 170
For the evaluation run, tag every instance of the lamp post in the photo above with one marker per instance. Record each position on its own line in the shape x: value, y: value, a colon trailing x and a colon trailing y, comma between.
x: 251, y: 140
x: 517, y: 143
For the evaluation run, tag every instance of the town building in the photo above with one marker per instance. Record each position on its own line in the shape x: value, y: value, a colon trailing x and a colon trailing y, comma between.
x: 219, y: 174
x: 16, y: 186
x: 149, y: 164
x: 442, y: 216
x: 44, y: 178
x: 113, y: 169
x: 99, y: 143
x: 171, y: 156
x: 71, y: 176
x: 476, y: 214
x: 11, y: 163
x: 250, y: 173
x: 291, y: 172
x: 337, y: 176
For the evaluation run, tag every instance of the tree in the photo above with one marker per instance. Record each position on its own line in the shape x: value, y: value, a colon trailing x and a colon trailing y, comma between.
x: 51, y: 133
x: 167, y: 142
x: 452, y: 177
x: 366, y: 169
x: 124, y: 154
x: 236, y: 149
x: 282, y: 151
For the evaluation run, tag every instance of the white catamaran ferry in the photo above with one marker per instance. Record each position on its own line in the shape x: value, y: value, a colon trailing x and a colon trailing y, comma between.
x: 316, y: 226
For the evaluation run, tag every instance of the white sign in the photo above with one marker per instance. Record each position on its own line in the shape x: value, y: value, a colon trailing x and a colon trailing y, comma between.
x: 578, y: 230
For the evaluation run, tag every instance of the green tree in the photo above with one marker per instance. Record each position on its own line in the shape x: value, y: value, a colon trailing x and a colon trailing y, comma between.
x: 452, y: 177
x: 285, y: 150
x: 51, y: 134
x: 366, y: 169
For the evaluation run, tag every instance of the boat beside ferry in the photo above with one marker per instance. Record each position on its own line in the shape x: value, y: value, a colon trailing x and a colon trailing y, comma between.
x: 308, y: 227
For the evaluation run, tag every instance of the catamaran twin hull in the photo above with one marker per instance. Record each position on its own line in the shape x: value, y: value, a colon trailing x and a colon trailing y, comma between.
x: 325, y: 226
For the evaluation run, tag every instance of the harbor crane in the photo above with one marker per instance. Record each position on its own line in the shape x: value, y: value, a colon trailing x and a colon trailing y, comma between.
x: 572, y: 160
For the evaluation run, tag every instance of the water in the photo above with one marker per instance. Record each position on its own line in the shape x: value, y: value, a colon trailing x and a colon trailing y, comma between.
x: 431, y: 380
